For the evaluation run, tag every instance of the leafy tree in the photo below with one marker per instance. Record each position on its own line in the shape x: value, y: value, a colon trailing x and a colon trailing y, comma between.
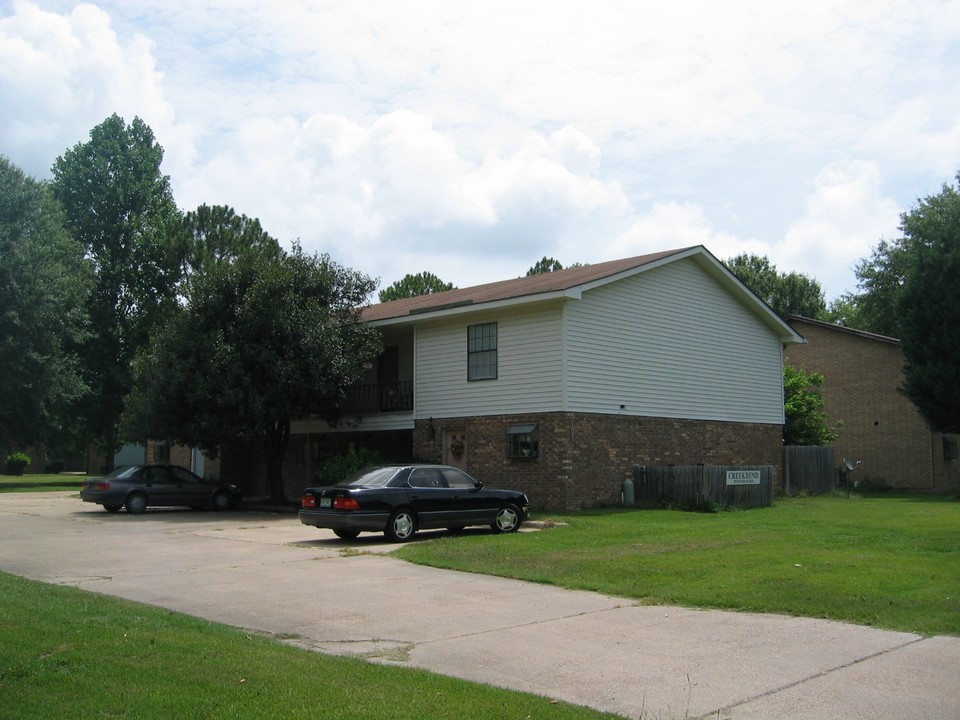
x: 120, y: 207
x: 786, y: 293
x: 544, y: 265
x: 845, y: 310
x: 214, y: 234
x: 881, y: 279
x: 805, y: 419
x: 926, y: 308
x: 258, y: 343
x: 424, y: 283
x: 44, y: 280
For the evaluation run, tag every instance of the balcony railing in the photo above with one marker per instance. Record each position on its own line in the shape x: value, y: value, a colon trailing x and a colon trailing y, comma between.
x: 383, y: 397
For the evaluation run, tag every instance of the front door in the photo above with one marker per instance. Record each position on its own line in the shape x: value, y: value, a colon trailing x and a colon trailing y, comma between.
x: 455, y: 448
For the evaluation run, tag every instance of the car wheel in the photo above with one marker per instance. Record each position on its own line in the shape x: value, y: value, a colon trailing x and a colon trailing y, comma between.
x: 402, y: 526
x: 111, y: 508
x: 508, y: 519
x: 136, y: 503
x: 346, y: 534
x: 222, y: 500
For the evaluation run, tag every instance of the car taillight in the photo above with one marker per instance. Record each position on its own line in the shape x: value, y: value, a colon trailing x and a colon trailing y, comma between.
x: 345, y: 503
x: 308, y: 501
x: 103, y: 486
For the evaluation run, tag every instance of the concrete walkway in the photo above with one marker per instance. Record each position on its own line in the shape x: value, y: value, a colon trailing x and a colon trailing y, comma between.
x: 269, y: 573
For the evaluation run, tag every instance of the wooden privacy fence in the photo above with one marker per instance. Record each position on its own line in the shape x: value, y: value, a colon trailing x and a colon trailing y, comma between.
x: 692, y: 486
x: 808, y: 469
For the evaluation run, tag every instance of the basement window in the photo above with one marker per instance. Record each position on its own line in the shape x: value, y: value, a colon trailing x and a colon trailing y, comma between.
x: 523, y: 441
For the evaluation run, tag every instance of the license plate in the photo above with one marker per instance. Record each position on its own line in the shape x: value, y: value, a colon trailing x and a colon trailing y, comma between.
x: 325, y: 502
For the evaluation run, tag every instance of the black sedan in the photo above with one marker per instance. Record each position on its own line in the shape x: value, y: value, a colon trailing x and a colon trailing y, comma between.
x: 137, y: 486
x: 399, y: 500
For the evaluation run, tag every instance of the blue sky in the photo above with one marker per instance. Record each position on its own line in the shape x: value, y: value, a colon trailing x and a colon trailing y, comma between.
x: 471, y: 139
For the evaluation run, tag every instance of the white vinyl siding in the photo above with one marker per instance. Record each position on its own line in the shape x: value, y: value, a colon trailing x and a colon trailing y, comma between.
x: 671, y: 342
x: 529, y: 364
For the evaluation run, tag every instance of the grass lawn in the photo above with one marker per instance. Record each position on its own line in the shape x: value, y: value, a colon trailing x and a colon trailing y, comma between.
x: 888, y: 561
x: 37, y: 483
x: 66, y: 653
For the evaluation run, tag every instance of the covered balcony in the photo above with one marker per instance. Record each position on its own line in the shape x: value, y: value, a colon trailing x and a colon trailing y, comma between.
x: 388, y: 386
x: 380, y: 397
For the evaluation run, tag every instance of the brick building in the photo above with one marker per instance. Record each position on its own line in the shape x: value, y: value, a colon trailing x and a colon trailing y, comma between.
x: 560, y: 384
x: 863, y: 373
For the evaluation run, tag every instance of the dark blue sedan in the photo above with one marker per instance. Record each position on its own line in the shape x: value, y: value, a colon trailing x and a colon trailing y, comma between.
x: 399, y: 500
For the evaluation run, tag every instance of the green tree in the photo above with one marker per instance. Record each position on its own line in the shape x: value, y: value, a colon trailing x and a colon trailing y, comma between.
x: 881, y: 279
x: 845, y: 310
x: 279, y: 339
x: 425, y: 283
x: 44, y: 281
x: 213, y: 234
x: 786, y: 293
x: 119, y: 206
x: 544, y: 265
x: 926, y: 308
x: 805, y: 418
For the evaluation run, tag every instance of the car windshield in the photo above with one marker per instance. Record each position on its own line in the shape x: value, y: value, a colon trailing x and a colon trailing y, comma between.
x: 377, y: 477
x: 121, y: 473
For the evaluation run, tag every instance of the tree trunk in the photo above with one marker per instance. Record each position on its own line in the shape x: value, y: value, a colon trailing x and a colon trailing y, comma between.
x: 110, y: 445
x: 276, y: 441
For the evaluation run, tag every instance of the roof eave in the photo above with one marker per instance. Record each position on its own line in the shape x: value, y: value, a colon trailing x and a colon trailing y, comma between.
x: 466, y: 309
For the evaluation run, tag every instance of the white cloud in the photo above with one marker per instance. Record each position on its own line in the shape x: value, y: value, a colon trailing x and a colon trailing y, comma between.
x: 64, y: 74
x: 846, y: 212
x: 398, y: 192
x: 474, y: 139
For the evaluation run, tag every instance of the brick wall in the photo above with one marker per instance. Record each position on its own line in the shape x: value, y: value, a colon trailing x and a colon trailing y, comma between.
x: 584, y: 459
x: 882, y: 428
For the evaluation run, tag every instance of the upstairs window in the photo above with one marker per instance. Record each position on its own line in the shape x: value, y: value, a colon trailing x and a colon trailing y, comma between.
x: 482, y: 352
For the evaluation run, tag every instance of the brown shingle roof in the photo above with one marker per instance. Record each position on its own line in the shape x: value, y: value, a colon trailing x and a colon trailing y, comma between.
x: 557, y: 281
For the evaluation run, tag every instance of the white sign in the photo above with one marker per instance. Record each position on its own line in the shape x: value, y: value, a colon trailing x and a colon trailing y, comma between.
x: 743, y: 477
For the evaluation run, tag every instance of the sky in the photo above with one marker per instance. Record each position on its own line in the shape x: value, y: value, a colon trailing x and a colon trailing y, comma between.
x: 471, y: 139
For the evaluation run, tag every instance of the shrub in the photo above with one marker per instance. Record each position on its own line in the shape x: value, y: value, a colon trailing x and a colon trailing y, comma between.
x: 17, y: 463
x: 339, y: 467
x: 55, y: 467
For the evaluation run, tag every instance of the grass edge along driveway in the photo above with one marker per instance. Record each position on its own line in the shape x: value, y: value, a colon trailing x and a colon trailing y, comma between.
x: 889, y: 561
x: 66, y: 652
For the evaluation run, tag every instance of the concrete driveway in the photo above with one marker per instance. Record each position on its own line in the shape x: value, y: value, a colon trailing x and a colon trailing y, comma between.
x: 269, y: 573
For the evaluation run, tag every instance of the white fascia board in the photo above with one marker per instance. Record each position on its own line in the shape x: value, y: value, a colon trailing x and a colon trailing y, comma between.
x: 570, y: 294
x: 723, y: 275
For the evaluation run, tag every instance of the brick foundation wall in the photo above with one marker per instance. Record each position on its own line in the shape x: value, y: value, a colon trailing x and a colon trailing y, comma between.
x: 584, y: 459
